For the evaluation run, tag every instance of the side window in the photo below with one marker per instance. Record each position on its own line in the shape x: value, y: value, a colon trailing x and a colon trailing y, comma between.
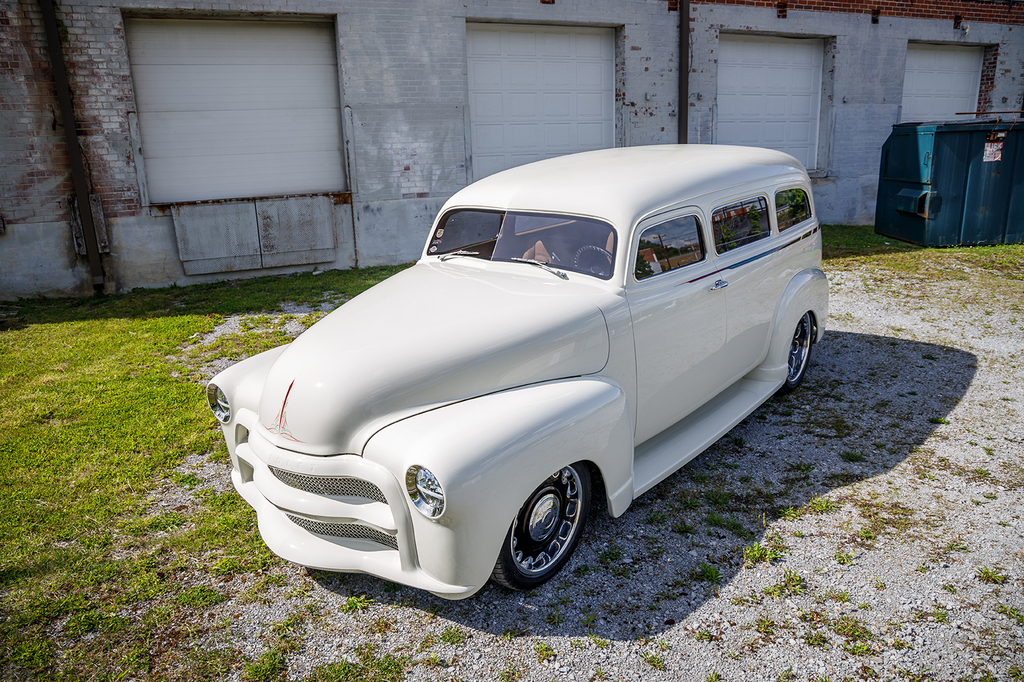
x: 791, y: 207
x: 741, y: 223
x: 667, y: 246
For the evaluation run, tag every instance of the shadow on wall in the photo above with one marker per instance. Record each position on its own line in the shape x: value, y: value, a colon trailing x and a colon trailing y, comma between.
x: 866, y: 405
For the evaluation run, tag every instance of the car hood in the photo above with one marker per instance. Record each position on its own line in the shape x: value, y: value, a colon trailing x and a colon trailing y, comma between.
x: 432, y: 335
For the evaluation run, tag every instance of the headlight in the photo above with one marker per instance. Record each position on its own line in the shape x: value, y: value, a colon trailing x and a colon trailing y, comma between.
x: 218, y: 403
x: 425, y: 491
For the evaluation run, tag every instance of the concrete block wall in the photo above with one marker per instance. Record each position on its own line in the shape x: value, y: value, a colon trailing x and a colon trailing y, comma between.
x: 865, y: 63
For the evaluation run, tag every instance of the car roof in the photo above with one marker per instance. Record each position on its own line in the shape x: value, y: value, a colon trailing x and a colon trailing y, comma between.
x: 624, y: 184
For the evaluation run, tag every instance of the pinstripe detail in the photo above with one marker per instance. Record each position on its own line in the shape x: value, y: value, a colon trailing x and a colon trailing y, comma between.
x: 759, y: 256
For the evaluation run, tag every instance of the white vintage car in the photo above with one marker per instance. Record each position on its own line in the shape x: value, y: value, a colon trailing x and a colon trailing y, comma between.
x: 579, y: 326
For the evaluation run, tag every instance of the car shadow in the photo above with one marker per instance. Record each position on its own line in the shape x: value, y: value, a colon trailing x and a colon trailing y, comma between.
x: 868, y: 403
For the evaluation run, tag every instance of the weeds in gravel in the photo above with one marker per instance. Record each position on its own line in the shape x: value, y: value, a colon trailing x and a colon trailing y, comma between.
x: 707, y: 573
x: 990, y: 575
x: 653, y: 660
x: 816, y: 639
x: 599, y: 642
x: 852, y: 457
x: 841, y: 596
x: 544, y: 652
x: 1015, y: 672
x: 771, y: 549
x: 851, y: 628
x: 820, y: 505
x: 512, y: 673
x: 554, y: 618
x: 717, y: 498
x: 764, y: 625
x: 789, y: 514
x: 713, y: 676
x: 790, y: 584
x: 703, y: 635
x: 844, y: 558
x: 199, y: 597
x: 1010, y: 612
x: 453, y: 636
x: 730, y: 524
x: 682, y: 527
x: 355, y: 604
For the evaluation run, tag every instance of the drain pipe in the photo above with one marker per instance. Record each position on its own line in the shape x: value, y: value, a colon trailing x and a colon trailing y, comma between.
x: 67, y: 112
x: 684, y: 69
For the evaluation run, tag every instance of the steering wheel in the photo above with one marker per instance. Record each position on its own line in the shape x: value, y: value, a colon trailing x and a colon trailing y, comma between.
x: 593, y: 259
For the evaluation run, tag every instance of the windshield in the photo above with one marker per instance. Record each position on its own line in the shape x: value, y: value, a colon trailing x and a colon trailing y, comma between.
x: 565, y: 242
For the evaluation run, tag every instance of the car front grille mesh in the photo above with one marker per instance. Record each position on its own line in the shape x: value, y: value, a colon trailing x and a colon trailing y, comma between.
x: 345, y: 530
x: 341, y: 486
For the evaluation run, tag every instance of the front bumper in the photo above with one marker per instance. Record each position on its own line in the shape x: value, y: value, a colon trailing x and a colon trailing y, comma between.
x: 336, y: 513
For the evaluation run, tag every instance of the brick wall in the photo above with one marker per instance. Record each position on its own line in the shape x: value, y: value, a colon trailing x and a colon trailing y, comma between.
x: 34, y: 177
x: 989, y: 65
x: 991, y: 11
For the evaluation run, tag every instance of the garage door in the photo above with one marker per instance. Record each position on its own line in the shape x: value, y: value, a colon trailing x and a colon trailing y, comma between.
x: 537, y: 92
x: 769, y: 94
x: 232, y: 109
x: 941, y: 80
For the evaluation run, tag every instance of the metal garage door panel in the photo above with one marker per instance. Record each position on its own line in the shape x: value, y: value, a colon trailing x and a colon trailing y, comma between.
x: 940, y: 81
x: 218, y: 237
x: 296, y: 230
x: 231, y: 109
x: 769, y: 94
x: 538, y: 91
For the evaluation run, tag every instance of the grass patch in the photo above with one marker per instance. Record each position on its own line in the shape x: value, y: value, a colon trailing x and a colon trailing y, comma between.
x: 99, y: 412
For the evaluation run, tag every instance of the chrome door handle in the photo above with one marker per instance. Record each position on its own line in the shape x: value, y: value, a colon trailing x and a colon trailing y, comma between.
x: 720, y: 284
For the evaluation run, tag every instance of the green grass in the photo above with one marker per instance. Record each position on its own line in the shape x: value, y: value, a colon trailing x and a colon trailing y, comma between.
x: 851, y: 241
x: 100, y: 408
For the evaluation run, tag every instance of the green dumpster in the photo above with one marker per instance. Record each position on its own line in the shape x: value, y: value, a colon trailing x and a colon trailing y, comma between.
x: 956, y: 183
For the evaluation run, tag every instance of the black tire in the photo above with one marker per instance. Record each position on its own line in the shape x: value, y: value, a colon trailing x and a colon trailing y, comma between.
x: 546, y: 530
x: 799, y: 353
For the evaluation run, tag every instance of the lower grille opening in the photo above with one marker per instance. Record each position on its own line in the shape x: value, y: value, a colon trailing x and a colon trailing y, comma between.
x: 345, y: 530
x: 339, y: 486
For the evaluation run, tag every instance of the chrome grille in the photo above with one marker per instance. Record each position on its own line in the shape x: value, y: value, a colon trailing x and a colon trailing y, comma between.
x: 343, y: 486
x: 345, y: 530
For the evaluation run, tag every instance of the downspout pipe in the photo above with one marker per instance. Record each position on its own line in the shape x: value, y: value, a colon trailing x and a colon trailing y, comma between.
x: 684, y: 70
x: 67, y: 112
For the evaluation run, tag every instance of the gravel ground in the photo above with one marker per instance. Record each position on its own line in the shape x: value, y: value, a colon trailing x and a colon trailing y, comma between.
x: 889, y: 486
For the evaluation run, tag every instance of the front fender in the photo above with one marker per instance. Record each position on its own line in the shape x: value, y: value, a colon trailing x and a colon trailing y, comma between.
x: 807, y: 291
x: 489, y: 453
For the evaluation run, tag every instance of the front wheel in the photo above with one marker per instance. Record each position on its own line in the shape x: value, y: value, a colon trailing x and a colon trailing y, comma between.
x: 546, y: 530
x: 799, y: 353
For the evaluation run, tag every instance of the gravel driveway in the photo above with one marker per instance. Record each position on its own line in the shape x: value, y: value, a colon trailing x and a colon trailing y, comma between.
x: 868, y: 526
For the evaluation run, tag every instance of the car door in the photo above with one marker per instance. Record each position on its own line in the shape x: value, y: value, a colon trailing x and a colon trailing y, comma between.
x: 679, y: 321
x: 742, y: 234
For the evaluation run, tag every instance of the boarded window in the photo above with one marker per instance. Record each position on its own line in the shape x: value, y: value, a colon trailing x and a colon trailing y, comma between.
x: 740, y: 224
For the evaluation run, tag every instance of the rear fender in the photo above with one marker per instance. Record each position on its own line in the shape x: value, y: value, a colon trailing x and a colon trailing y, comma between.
x: 807, y: 291
x: 489, y: 453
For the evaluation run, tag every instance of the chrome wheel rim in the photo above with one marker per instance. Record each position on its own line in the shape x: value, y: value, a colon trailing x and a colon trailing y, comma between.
x: 800, y: 350
x: 546, y: 525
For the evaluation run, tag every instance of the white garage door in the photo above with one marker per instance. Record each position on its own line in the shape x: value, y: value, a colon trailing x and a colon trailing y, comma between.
x: 537, y: 92
x: 231, y: 109
x: 941, y: 80
x: 769, y: 94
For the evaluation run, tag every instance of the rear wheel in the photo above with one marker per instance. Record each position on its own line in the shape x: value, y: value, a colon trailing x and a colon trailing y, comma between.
x: 799, y: 353
x: 546, y: 530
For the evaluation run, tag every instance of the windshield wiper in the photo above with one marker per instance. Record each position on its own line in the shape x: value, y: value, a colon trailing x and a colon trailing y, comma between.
x: 452, y: 254
x: 541, y: 264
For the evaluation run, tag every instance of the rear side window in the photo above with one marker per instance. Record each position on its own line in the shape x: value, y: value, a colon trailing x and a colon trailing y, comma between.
x: 741, y: 223
x: 669, y: 245
x: 791, y: 207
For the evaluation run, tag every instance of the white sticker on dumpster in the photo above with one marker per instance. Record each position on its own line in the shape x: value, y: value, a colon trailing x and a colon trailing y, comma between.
x: 993, y: 151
